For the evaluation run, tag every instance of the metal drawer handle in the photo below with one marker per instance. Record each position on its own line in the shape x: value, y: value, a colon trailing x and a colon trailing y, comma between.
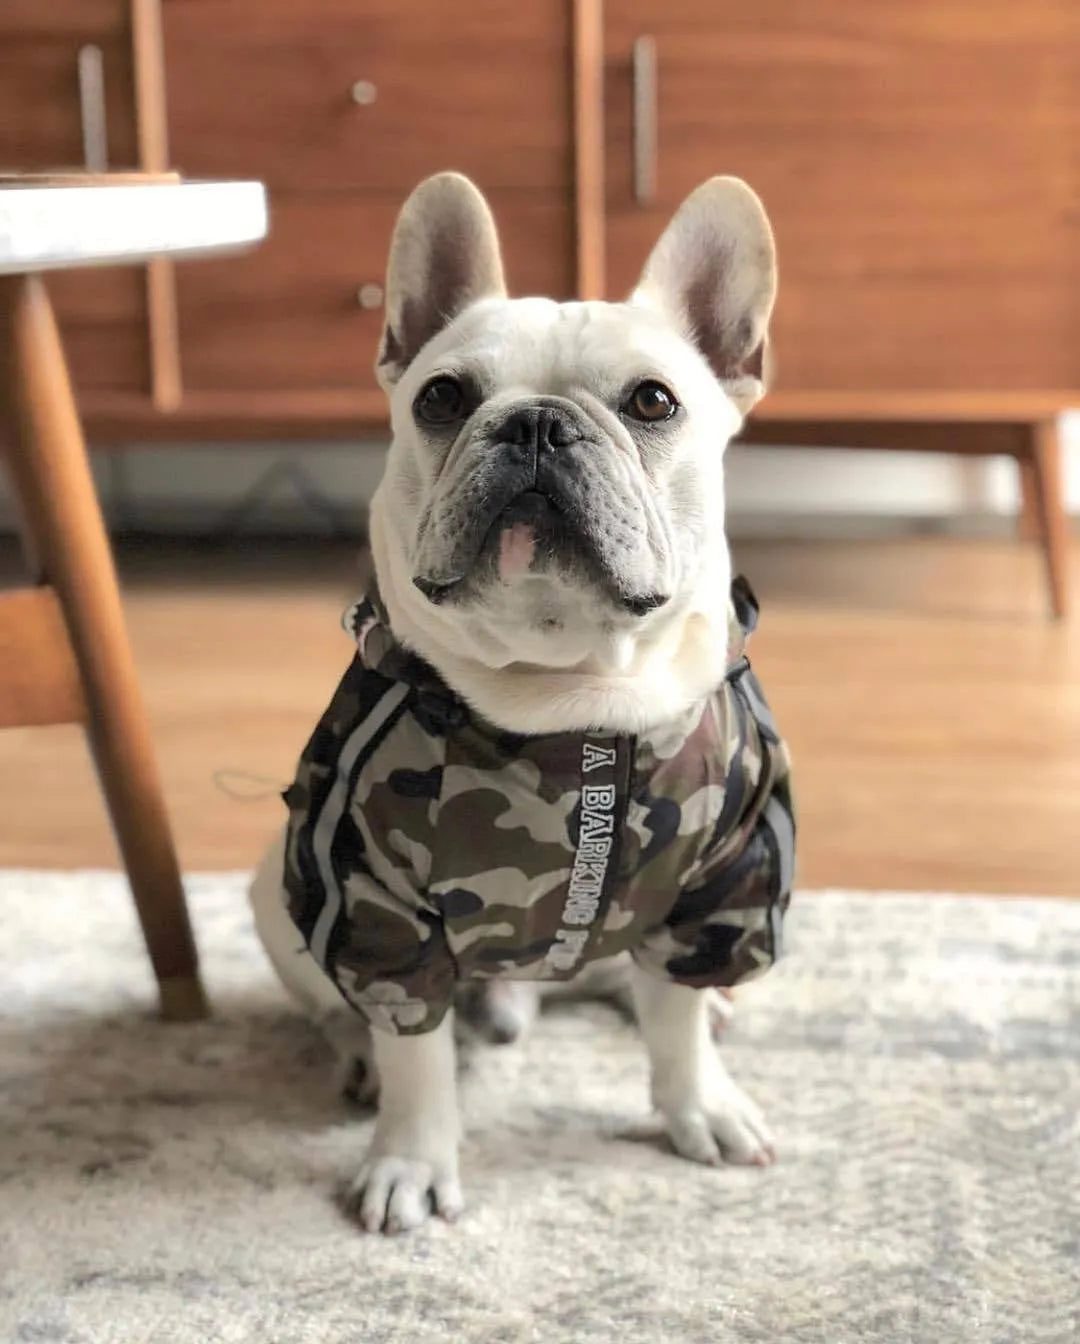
x: 370, y: 296
x: 95, y: 132
x: 363, y: 92
x: 644, y: 75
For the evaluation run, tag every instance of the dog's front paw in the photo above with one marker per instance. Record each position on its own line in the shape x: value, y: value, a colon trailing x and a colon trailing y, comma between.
x: 395, y: 1194
x: 717, y: 1122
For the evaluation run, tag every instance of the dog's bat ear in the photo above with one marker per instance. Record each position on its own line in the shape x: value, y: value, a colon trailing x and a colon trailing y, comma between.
x: 443, y: 257
x: 713, y: 274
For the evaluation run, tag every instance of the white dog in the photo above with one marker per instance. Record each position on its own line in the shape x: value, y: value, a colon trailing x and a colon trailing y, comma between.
x: 549, y: 750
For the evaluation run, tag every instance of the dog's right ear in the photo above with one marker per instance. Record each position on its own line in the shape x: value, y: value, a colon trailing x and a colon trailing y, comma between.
x: 443, y: 257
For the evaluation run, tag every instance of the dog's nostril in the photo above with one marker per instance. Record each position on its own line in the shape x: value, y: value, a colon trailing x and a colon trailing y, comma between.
x: 558, y: 430
x: 519, y: 428
x: 539, y: 426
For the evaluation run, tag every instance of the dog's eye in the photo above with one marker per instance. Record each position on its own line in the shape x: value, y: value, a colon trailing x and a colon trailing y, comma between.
x: 651, y: 402
x: 441, y: 401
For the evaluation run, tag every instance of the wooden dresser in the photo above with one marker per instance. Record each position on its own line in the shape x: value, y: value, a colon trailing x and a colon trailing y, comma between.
x: 921, y: 162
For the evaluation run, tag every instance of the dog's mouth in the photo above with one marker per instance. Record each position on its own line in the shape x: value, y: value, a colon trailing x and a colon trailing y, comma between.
x: 529, y: 523
x: 531, y: 528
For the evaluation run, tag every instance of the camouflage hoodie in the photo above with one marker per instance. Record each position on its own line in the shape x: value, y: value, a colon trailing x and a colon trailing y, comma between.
x: 426, y: 846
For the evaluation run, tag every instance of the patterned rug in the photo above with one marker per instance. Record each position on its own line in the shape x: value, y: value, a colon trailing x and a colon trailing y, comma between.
x: 918, y: 1056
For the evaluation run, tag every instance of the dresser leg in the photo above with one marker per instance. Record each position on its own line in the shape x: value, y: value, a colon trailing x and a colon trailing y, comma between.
x: 66, y: 534
x: 1027, y: 520
x: 1040, y: 474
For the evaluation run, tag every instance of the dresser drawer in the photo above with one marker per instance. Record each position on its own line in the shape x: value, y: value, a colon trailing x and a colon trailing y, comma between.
x: 101, y: 313
x: 919, y: 162
x: 84, y: 19
x: 335, y: 94
x: 40, y: 116
x: 304, y: 311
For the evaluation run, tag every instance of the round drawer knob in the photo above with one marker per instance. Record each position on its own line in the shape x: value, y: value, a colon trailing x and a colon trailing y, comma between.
x: 363, y: 92
x: 370, y: 296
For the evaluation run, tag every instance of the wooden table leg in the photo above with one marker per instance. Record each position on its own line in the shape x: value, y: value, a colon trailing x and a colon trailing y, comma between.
x: 1042, y: 466
x: 55, y: 490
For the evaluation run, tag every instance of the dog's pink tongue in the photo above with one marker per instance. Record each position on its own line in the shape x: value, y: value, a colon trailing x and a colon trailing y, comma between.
x: 516, y: 547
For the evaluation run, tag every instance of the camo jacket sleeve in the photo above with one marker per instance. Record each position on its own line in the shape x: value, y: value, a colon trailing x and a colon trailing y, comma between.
x: 355, y: 858
x: 725, y: 926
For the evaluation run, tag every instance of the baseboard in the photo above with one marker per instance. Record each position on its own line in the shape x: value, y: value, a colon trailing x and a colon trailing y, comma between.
x: 324, y: 489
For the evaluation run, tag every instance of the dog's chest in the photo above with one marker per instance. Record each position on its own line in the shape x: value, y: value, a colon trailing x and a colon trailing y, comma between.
x: 541, y: 853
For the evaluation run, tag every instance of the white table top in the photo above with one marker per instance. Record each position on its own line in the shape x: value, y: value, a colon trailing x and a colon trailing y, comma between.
x: 52, y: 226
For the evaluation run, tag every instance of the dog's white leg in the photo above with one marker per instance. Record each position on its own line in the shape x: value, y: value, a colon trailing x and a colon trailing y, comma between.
x: 348, y: 1033
x: 300, y: 973
x: 412, y: 1165
x: 708, y: 1116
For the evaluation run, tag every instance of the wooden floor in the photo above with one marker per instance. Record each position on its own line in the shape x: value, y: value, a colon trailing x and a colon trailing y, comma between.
x: 933, y: 711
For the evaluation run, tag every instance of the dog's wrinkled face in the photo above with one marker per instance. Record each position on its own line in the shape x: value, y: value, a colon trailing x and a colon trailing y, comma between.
x: 554, y: 481
x: 554, y: 488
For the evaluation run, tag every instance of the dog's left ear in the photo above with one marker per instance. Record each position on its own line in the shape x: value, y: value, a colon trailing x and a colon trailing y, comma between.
x: 713, y: 274
x: 443, y: 257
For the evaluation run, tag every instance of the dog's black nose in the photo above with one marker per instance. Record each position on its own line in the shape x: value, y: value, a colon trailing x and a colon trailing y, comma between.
x: 540, y: 426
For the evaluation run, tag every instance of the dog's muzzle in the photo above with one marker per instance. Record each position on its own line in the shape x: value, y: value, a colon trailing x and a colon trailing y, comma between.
x: 537, y: 479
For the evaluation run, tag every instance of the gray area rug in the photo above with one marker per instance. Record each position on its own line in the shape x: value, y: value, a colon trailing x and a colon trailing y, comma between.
x: 918, y: 1056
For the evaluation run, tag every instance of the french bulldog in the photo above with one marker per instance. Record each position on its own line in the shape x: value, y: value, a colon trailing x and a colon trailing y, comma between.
x: 549, y: 756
